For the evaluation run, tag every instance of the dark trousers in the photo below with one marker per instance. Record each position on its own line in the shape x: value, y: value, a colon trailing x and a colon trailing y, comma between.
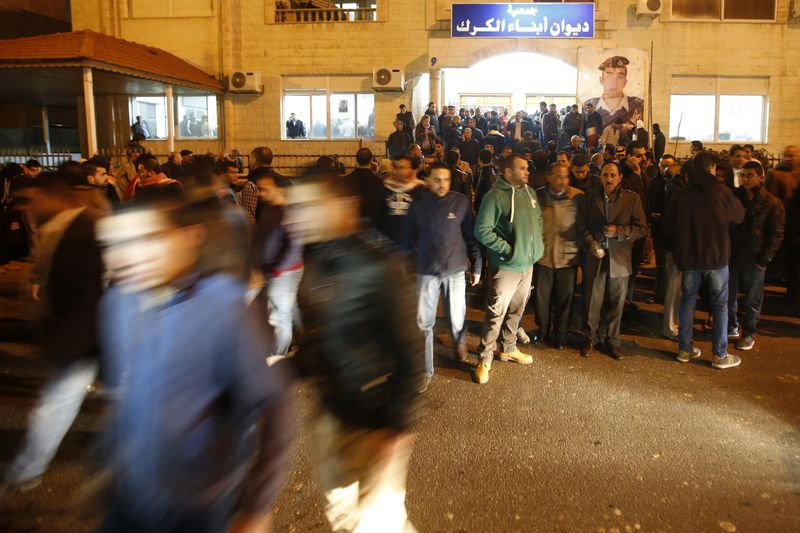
x: 606, y: 299
x: 553, y: 294
x: 637, y: 253
x: 747, y: 277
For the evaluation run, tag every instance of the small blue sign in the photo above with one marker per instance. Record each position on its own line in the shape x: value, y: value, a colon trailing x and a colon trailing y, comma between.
x: 543, y: 21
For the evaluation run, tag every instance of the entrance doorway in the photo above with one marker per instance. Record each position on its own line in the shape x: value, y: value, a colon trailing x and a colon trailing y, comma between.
x: 514, y: 81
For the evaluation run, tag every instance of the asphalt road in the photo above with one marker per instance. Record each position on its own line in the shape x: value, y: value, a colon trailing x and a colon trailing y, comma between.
x: 565, y: 444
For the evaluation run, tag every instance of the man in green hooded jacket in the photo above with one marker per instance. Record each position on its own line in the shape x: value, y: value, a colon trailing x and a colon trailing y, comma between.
x: 509, y: 225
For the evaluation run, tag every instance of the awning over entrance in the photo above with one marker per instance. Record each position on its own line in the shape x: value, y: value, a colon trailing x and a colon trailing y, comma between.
x: 58, y: 68
x: 95, y: 50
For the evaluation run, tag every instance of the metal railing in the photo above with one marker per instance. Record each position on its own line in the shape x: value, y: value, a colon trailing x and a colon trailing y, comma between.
x: 299, y: 16
x: 48, y: 160
x: 289, y: 164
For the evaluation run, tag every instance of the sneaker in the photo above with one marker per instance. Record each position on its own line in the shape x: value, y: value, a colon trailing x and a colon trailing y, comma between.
x: 733, y: 333
x: 729, y: 361
x: 523, y: 337
x: 746, y: 343
x: 685, y: 357
x: 517, y: 357
x: 462, y: 353
x: 482, y: 372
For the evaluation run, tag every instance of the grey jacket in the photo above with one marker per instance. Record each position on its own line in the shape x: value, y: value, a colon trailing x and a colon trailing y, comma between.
x: 559, y: 230
x: 626, y: 212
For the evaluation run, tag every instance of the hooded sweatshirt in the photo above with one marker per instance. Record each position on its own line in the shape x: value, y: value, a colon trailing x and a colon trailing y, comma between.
x: 509, y: 225
x: 699, y: 218
x: 397, y: 201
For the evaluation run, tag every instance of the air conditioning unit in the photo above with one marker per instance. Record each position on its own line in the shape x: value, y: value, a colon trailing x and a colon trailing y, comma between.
x: 245, y: 82
x: 650, y: 7
x: 388, y: 79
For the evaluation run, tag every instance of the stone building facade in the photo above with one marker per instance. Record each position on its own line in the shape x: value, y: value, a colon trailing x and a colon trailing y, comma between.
x: 338, y: 57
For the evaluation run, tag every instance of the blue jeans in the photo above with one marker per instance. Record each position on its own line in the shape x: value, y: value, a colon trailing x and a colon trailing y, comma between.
x: 455, y: 304
x: 717, y: 284
x: 749, y: 278
x: 51, y: 418
x: 283, y: 312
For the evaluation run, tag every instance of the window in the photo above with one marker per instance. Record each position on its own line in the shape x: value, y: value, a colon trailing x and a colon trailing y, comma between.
x: 197, y: 117
x: 485, y: 101
x: 170, y: 8
x: 153, y: 110
x: 740, y: 117
x: 351, y: 116
x: 561, y: 101
x: 761, y: 10
x: 718, y: 109
x: 691, y: 117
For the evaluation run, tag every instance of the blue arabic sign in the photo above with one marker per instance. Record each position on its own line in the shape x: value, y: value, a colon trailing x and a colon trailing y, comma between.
x: 551, y: 21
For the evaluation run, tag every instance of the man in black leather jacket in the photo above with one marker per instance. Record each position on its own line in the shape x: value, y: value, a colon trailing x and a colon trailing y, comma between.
x: 362, y: 348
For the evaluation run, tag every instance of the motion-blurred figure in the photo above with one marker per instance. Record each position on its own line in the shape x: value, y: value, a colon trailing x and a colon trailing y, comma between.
x: 362, y: 348
x: 67, y: 285
x: 200, y: 434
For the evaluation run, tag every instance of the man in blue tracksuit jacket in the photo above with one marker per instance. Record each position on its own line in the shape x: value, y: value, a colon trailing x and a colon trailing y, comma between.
x: 441, y: 231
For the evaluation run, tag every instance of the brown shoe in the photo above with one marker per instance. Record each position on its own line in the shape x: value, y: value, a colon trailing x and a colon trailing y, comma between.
x: 587, y: 348
x: 615, y: 351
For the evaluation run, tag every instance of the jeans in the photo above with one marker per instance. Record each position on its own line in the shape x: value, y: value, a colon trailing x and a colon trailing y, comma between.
x: 606, y: 300
x: 555, y: 288
x: 749, y: 278
x: 283, y: 312
x: 717, y: 286
x: 508, y: 295
x: 453, y: 288
x: 51, y: 418
x: 672, y: 298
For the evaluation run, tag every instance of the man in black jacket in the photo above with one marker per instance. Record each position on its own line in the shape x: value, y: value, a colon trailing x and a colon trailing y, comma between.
x: 398, y: 142
x: 369, y: 186
x: 362, y: 349
x: 67, y: 287
x: 699, y: 219
x: 295, y: 128
x: 754, y: 242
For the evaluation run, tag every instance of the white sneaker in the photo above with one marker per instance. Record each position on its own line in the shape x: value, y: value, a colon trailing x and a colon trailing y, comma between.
x: 685, y: 357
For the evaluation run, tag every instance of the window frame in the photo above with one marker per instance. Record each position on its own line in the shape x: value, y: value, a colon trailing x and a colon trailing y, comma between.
x: 763, y: 134
x: 328, y: 93
x: 176, y: 126
x: 132, y: 112
x: 773, y: 20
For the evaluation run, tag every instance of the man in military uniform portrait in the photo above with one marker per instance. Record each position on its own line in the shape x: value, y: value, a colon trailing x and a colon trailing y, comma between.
x: 614, y: 103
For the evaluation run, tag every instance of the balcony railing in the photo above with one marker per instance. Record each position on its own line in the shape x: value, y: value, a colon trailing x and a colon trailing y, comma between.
x: 299, y: 16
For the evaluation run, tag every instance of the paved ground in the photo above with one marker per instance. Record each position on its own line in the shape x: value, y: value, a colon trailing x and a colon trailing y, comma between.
x: 566, y: 444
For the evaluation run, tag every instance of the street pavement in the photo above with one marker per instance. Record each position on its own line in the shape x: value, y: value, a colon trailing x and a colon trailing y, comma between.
x: 565, y: 444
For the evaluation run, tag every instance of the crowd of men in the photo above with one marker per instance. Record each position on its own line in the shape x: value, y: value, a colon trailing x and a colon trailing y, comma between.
x: 548, y: 129
x: 178, y: 279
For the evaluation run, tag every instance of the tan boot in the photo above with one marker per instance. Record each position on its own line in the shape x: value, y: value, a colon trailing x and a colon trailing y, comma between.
x: 517, y: 357
x: 482, y: 372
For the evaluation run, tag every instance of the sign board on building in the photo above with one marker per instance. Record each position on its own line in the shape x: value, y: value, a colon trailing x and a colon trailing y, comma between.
x: 540, y: 20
